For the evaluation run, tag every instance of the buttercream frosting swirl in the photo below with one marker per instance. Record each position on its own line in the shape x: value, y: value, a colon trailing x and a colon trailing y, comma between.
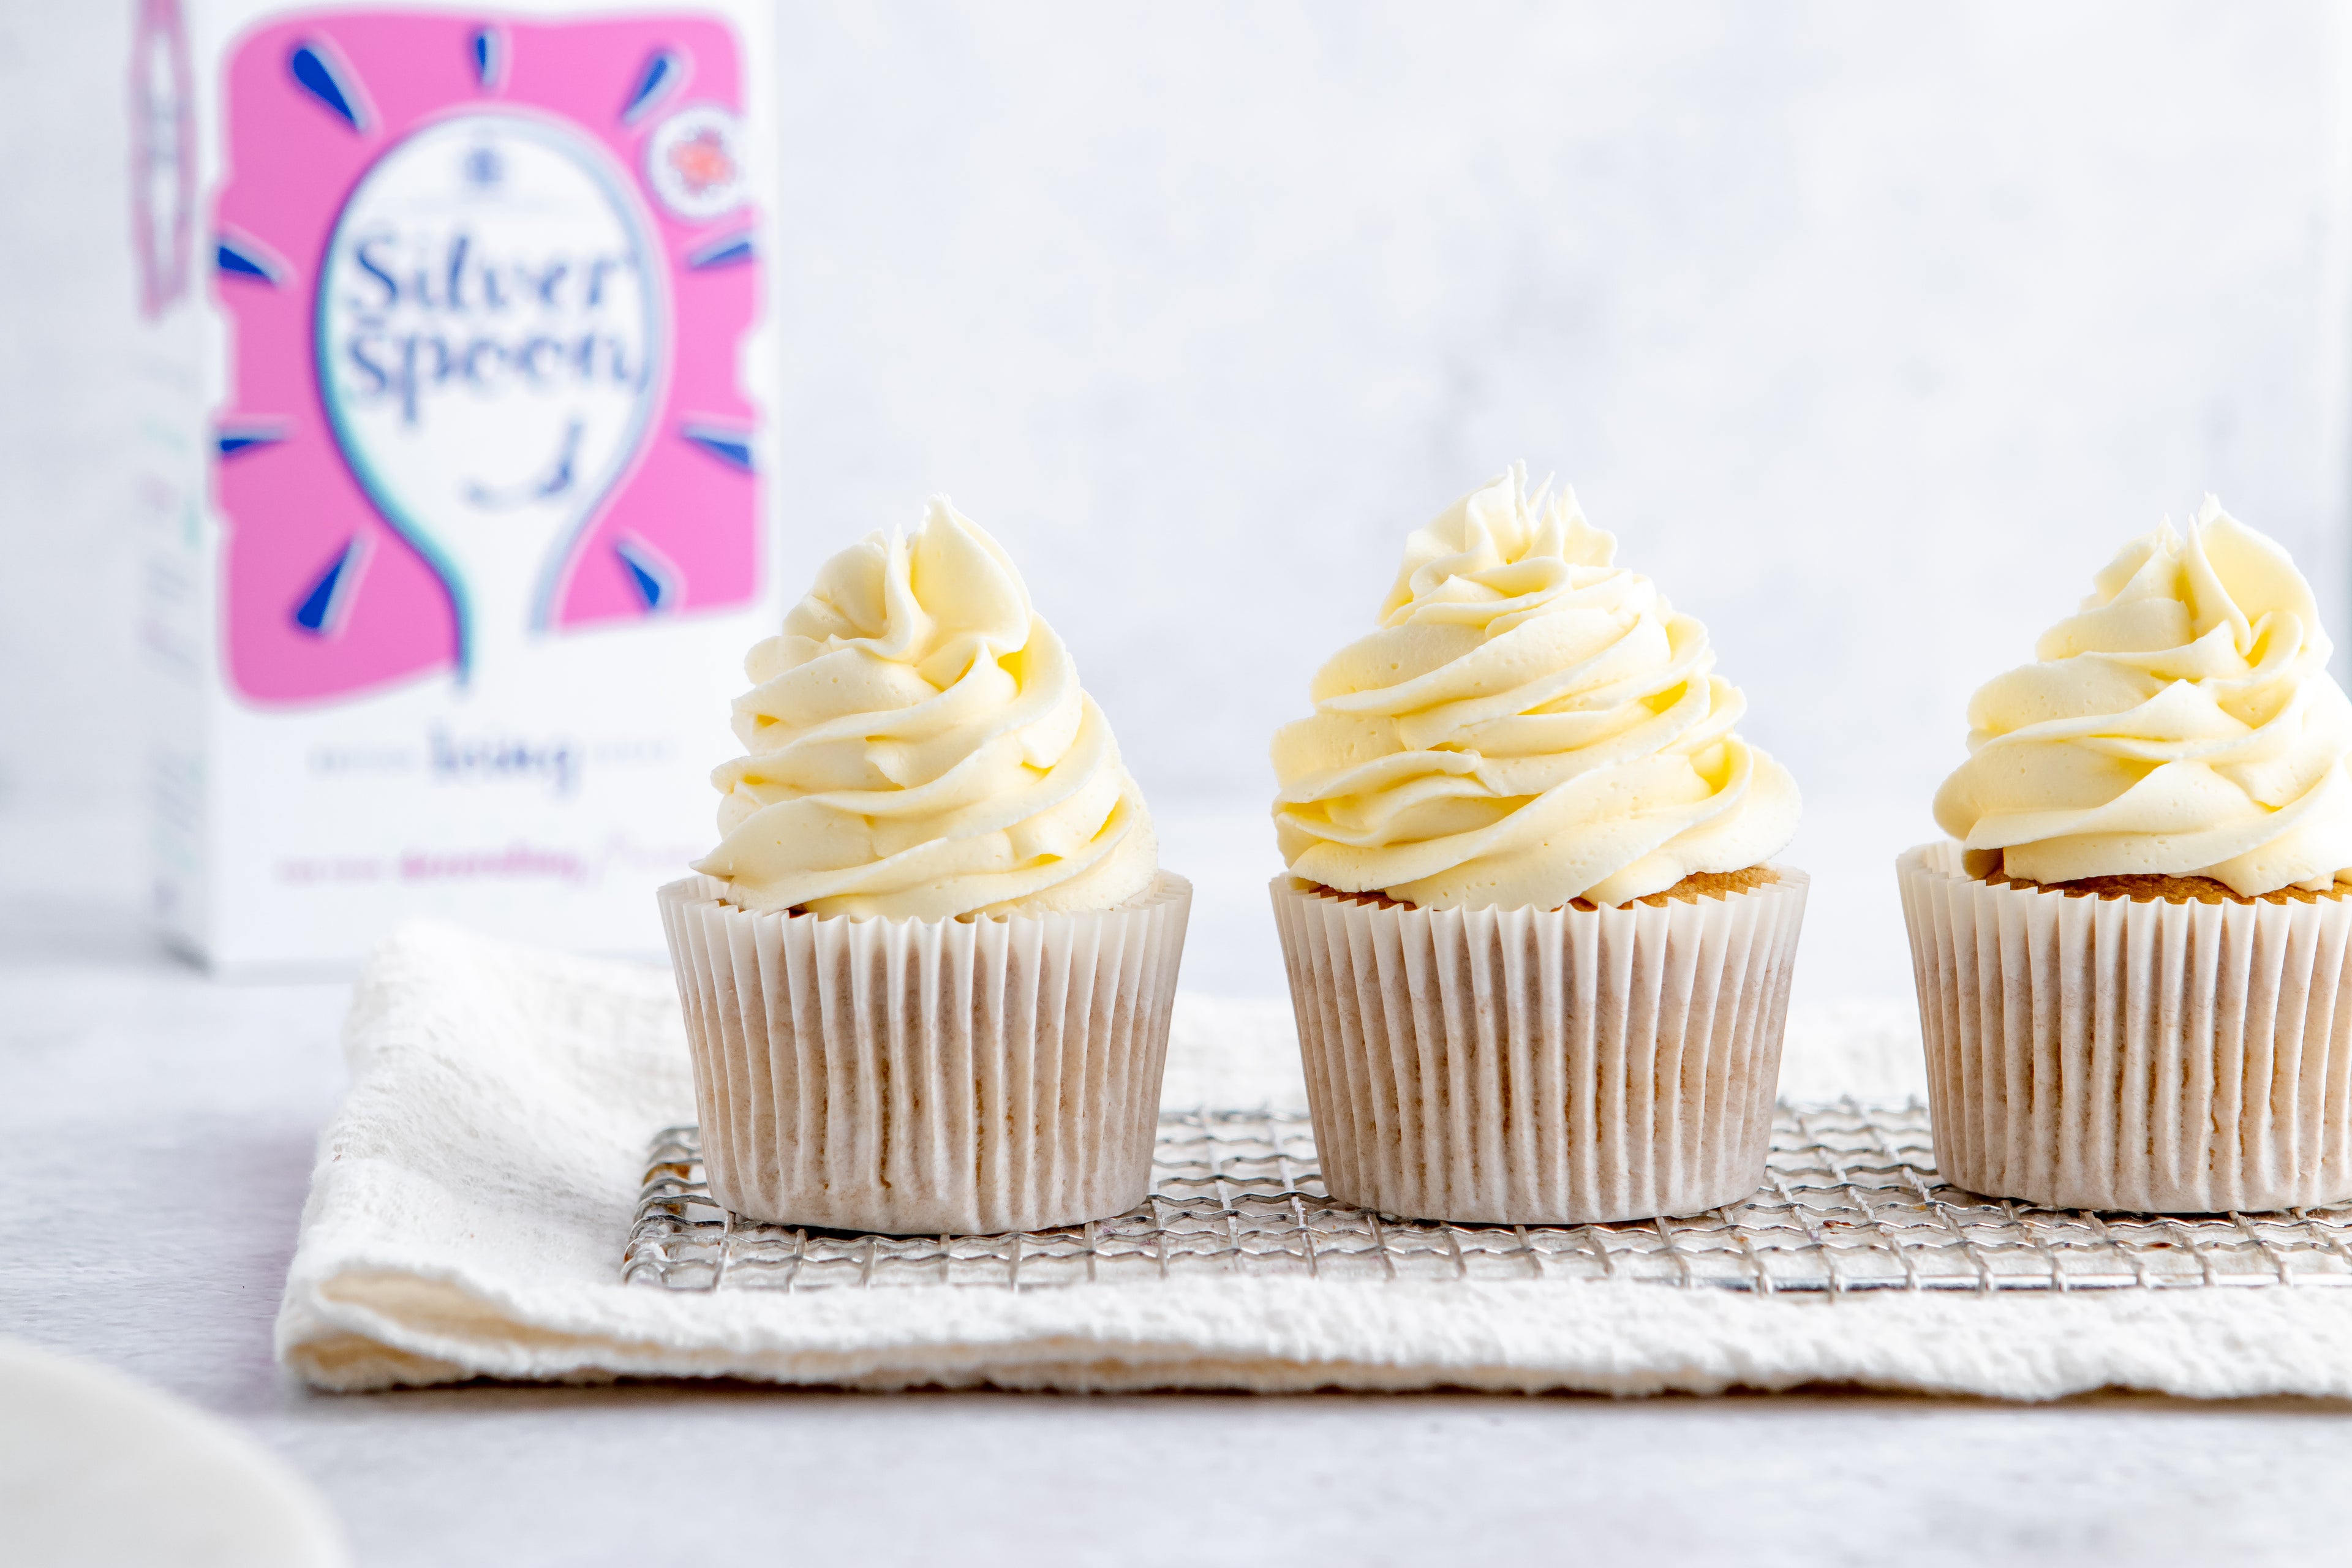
x: 2181, y: 724
x: 919, y: 748
x: 1531, y: 725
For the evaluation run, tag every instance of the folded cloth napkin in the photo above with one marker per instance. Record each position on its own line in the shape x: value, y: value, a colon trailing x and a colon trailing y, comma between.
x: 474, y: 1194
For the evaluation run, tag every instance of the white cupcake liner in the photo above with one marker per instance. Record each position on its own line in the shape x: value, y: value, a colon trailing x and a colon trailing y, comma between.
x: 1550, y: 1067
x: 2103, y: 1053
x: 927, y: 1076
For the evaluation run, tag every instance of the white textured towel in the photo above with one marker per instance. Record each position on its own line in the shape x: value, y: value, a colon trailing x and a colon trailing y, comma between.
x: 473, y: 1195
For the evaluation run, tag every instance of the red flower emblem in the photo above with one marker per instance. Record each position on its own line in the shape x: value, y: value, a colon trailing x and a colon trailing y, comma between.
x: 703, y: 162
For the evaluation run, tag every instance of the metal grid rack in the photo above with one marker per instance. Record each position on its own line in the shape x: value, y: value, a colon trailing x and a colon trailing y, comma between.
x: 1851, y: 1202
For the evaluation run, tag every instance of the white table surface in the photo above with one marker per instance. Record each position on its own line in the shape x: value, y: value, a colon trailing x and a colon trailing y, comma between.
x: 159, y: 1126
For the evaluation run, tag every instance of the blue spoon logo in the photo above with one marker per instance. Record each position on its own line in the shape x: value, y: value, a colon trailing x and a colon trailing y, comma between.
x: 491, y: 349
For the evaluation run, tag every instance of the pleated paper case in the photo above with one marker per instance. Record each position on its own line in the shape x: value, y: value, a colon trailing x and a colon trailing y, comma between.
x: 2106, y: 1053
x: 927, y: 1076
x: 1550, y: 1067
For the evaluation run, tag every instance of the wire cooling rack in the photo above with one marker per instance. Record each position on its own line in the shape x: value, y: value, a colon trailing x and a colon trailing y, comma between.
x: 1851, y: 1202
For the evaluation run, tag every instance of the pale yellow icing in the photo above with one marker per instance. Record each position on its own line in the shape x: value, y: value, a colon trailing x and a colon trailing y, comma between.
x: 1531, y: 725
x: 919, y: 747
x: 2183, y: 722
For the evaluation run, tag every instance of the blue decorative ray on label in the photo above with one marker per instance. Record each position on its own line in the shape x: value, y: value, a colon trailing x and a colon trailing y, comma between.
x: 241, y: 438
x: 325, y: 608
x: 314, y: 71
x: 726, y: 250
x: 488, y: 47
x: 649, y: 572
x: 664, y: 74
x: 729, y: 447
x: 238, y: 256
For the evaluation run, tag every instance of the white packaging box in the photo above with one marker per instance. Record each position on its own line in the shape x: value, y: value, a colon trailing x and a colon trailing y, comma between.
x: 455, y: 431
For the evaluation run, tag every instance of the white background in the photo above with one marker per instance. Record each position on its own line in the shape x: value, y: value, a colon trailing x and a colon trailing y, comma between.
x: 1870, y: 331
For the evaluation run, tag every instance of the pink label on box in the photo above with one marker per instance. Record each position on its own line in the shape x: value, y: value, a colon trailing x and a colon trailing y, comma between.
x: 487, y: 280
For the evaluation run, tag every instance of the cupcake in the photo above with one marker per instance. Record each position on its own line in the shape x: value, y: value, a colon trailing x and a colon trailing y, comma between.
x: 2132, y: 959
x: 927, y: 972
x: 1539, y: 956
